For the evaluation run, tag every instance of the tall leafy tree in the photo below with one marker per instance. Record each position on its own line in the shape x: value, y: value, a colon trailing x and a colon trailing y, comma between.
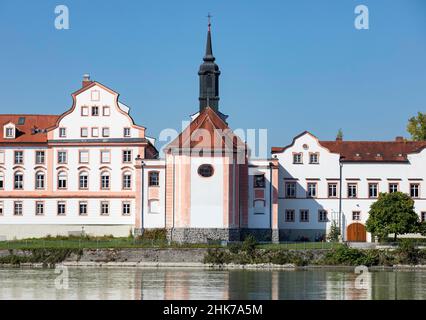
x: 417, y: 127
x: 392, y: 213
x: 339, y: 135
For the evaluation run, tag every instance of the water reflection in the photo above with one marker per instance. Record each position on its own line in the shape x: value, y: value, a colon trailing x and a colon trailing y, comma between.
x: 158, y: 284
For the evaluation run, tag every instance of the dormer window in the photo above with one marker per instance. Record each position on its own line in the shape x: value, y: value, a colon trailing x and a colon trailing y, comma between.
x: 10, y: 133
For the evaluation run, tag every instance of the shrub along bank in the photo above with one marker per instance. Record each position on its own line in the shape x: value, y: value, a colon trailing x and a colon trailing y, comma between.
x: 341, y: 255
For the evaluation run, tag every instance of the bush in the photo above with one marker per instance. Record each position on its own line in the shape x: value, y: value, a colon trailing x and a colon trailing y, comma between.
x: 249, y: 244
x: 407, y: 253
x: 334, y: 234
x: 153, y: 234
x: 343, y: 255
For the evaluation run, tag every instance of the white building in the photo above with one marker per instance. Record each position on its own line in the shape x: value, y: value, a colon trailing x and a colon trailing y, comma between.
x: 312, y: 174
x: 93, y: 169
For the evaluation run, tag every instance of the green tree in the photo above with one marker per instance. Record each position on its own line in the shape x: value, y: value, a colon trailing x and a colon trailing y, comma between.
x: 339, y: 135
x: 417, y: 127
x: 334, y: 233
x: 392, y: 213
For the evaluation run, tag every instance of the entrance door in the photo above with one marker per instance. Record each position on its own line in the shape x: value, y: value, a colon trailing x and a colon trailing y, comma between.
x: 356, y: 233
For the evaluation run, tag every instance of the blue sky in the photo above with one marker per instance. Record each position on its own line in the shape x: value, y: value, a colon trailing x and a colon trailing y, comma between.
x: 287, y: 66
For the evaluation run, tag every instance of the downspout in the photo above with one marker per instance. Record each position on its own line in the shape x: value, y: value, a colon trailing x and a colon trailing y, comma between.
x: 174, y: 199
x: 142, y: 197
x: 270, y: 195
x: 340, y: 196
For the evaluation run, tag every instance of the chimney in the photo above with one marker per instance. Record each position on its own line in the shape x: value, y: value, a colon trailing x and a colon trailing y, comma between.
x: 399, y: 139
x: 86, y: 80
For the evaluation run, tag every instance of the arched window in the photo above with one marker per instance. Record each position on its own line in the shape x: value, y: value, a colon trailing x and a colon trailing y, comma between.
x: 1, y: 180
x: 127, y: 180
x: 39, y: 180
x: 19, y: 180
x: 105, y: 180
x: 83, y: 180
x: 62, y: 180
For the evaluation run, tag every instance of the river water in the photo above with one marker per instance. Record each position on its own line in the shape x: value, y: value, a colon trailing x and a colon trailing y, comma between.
x: 186, y: 284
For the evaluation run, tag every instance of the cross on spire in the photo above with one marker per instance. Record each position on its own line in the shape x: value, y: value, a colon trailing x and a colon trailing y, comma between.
x: 209, y: 17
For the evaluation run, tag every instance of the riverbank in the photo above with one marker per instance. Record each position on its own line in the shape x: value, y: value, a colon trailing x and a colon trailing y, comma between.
x: 241, y: 256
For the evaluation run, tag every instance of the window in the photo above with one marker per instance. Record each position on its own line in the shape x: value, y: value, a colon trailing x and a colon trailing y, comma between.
x: 39, y: 208
x: 19, y: 180
x: 352, y: 190
x: 312, y: 190
x: 127, y: 180
x: 83, y: 180
x: 373, y: 190
x: 154, y: 179
x: 10, y: 133
x: 356, y: 215
x: 154, y: 206
x: 84, y: 132
x: 2, y: 157
x: 393, y: 187
x: 297, y: 158
x: 259, y: 206
x: 18, y: 208
x: 304, y: 215
x: 1, y: 208
x: 84, y: 111
x: 40, y: 157
x: 322, y: 216
x: 62, y: 132
x: 423, y: 216
x: 126, y: 132
x: 332, y: 190
x: 19, y: 157
x: 104, y: 208
x: 259, y: 181
x: 105, y: 156
x: 205, y: 170
x: 106, y: 111
x: 126, y: 208
x: 82, y: 208
x: 95, y: 132
x: 105, y: 132
x: 105, y: 180
x: 84, y: 156
x: 290, y: 190
x: 39, y: 180
x: 62, y: 157
x: 289, y: 215
x: 127, y: 156
x: 62, y: 209
x: 62, y: 180
x: 95, y: 111
x: 313, y: 158
x: 1, y: 180
x: 414, y: 190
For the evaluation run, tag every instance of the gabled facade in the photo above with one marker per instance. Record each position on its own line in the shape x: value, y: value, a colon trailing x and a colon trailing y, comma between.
x: 325, y: 181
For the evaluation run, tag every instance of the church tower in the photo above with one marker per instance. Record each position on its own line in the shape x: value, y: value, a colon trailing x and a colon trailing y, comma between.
x: 209, y: 77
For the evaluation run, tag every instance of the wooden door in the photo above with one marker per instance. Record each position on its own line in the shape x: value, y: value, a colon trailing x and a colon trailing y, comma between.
x: 356, y: 233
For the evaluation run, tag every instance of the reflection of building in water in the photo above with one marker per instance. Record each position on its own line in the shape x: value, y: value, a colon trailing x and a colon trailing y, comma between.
x: 181, y: 284
x: 348, y: 286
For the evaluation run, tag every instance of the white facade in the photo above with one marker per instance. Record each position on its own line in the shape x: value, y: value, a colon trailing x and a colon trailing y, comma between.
x: 357, y: 175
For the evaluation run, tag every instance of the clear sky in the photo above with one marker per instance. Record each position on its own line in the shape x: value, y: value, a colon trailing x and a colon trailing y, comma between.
x: 287, y: 66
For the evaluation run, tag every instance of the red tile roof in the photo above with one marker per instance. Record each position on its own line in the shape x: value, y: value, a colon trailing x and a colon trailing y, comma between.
x: 372, y: 151
x: 24, y: 132
x: 220, y: 136
x: 367, y: 151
